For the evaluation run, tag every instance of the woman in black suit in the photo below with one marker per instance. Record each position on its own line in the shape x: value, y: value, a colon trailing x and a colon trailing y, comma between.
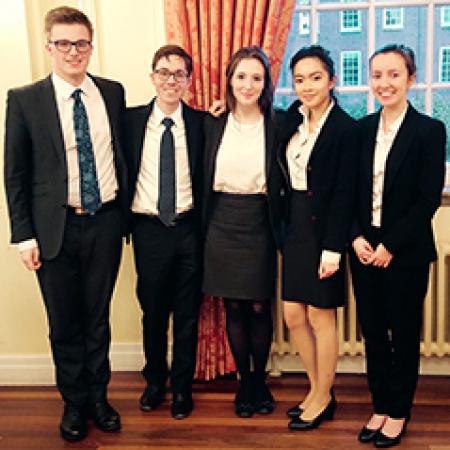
x: 240, y: 217
x: 318, y: 157
x: 401, y: 175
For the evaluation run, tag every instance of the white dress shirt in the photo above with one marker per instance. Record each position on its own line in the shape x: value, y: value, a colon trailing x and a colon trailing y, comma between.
x: 241, y: 158
x: 147, y: 188
x: 100, y: 133
x: 383, y: 146
x: 300, y: 147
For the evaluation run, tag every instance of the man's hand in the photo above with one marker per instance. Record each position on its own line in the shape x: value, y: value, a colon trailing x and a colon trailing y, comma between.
x: 381, y: 257
x: 363, y: 250
x: 217, y: 108
x: 31, y: 258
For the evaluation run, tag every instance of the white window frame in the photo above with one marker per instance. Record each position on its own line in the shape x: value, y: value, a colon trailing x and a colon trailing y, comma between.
x: 352, y: 29
x: 304, y: 23
x: 428, y: 86
x: 353, y: 53
x: 396, y: 26
x: 445, y: 23
x: 441, y: 61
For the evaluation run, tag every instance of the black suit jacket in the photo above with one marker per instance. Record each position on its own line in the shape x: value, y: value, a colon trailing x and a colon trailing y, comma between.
x: 414, y: 178
x: 35, y: 161
x: 331, y: 174
x: 214, y: 130
x: 134, y: 128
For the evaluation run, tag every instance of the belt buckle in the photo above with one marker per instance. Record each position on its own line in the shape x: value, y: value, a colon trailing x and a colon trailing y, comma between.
x: 79, y: 211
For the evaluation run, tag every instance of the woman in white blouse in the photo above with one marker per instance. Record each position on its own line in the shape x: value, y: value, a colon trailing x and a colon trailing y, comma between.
x: 240, y: 218
x: 401, y: 175
x: 318, y: 157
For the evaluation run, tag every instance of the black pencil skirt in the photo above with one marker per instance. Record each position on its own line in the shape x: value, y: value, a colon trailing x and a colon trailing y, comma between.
x: 301, y: 259
x: 240, y: 252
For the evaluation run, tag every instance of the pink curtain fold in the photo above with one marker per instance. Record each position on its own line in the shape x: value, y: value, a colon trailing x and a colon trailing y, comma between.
x: 211, y: 31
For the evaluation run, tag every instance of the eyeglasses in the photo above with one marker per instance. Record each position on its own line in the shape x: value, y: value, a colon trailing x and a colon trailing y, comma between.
x: 65, y: 46
x: 164, y: 75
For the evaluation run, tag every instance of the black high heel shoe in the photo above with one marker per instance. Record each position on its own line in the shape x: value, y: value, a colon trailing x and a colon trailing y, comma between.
x: 367, y: 435
x: 294, y: 412
x: 297, y: 410
x: 298, y: 424
x: 383, y: 441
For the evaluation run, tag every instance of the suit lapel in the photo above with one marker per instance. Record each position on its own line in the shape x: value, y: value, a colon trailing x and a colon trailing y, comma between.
x: 191, y: 134
x: 400, y: 147
x: 269, y: 135
x: 216, y: 138
x: 368, y: 142
x: 138, y: 128
x: 325, y: 133
x: 51, y: 114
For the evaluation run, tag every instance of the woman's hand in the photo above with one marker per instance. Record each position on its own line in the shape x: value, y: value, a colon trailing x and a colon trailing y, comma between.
x: 363, y: 250
x: 217, y: 108
x: 381, y: 257
x: 326, y: 269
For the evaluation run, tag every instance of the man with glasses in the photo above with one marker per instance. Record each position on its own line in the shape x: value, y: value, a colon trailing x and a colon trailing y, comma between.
x: 164, y: 152
x: 65, y: 180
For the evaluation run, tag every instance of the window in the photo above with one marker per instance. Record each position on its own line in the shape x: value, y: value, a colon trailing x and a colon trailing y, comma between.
x: 445, y: 16
x: 393, y: 18
x: 350, y: 21
x: 444, y: 64
x: 375, y: 20
x: 303, y: 23
x: 351, y: 68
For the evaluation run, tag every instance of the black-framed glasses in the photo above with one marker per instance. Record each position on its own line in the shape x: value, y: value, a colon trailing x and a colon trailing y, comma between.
x: 164, y: 74
x: 64, y: 45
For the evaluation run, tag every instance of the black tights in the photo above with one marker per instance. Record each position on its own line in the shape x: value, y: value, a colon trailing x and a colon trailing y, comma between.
x: 249, y: 329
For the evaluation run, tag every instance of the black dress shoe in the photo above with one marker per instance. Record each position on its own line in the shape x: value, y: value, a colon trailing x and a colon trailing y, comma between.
x: 298, y: 424
x: 263, y: 401
x: 104, y: 416
x: 244, y: 402
x: 73, y: 425
x: 383, y: 441
x: 182, y: 405
x: 152, y: 397
x: 294, y: 412
x: 367, y: 435
x: 297, y: 410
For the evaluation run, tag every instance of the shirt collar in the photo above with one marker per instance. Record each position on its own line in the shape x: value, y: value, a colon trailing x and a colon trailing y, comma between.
x: 176, y: 116
x: 304, y: 126
x: 65, y: 90
x: 394, y: 127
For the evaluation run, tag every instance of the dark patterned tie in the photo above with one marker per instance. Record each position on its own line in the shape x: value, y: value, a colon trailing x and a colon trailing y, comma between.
x: 89, y: 190
x: 166, y: 199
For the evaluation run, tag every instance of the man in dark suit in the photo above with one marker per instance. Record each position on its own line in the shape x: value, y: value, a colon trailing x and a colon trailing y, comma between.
x: 164, y: 152
x: 66, y: 184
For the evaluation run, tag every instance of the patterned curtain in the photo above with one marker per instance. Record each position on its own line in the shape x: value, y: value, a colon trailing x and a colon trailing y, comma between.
x: 211, y: 31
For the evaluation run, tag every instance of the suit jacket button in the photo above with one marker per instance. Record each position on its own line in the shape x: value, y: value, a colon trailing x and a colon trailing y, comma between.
x: 313, y: 218
x: 310, y: 193
x: 309, y: 168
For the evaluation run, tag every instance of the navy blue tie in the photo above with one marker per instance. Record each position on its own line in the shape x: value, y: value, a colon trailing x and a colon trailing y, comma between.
x: 89, y: 190
x: 166, y: 199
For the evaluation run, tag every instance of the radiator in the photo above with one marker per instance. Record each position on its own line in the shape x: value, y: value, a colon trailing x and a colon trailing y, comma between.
x: 436, y: 319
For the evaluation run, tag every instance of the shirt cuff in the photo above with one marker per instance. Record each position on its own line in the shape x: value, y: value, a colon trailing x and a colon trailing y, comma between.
x: 27, y: 245
x: 330, y: 257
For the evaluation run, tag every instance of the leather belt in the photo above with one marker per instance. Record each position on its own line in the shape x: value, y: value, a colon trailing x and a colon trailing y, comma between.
x: 78, y: 211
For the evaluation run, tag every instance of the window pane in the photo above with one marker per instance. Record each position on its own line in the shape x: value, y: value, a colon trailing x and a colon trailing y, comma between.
x: 441, y: 110
x: 337, y: 43
x: 413, y: 34
x: 354, y: 103
x: 283, y: 101
x: 350, y: 68
x: 441, y: 54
